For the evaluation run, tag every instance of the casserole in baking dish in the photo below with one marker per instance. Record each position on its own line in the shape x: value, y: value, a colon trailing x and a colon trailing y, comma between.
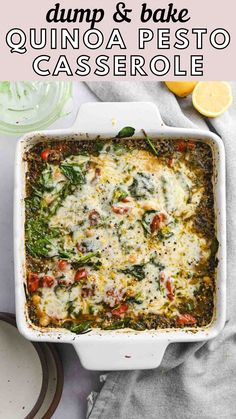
x: 120, y: 233
x: 121, y: 236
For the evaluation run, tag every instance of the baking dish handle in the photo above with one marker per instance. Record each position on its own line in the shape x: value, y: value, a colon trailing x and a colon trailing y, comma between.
x: 108, y: 118
x: 111, y: 354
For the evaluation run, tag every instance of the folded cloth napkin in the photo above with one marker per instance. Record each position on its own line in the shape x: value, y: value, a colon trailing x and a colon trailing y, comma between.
x: 195, y: 380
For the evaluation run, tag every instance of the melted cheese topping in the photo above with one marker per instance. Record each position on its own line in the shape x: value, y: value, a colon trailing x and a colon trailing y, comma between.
x: 150, y: 269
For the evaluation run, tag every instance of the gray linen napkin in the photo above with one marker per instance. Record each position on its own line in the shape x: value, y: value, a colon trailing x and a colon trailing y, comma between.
x: 195, y: 380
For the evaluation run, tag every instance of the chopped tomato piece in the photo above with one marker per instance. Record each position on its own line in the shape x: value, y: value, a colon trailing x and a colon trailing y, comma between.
x: 80, y: 248
x: 181, y: 146
x: 186, y: 319
x: 33, y: 281
x: 44, y: 154
x: 126, y: 199
x: 87, y: 292
x: 120, y: 310
x: 191, y: 144
x: 97, y: 174
x: 155, y: 224
x: 62, y: 265
x: 169, y: 287
x: 162, y: 276
x: 98, y: 171
x: 157, y: 219
x: 170, y: 162
x: 81, y: 274
x: 171, y: 296
x: 48, y: 281
x: 120, y: 210
x: 162, y: 217
x: 94, y: 217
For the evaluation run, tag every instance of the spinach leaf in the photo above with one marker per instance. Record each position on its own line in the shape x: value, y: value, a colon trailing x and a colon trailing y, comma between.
x: 119, y: 324
x: 66, y: 254
x: 79, y: 328
x: 120, y: 230
x: 164, y: 184
x: 133, y: 188
x: 134, y: 300
x: 119, y: 194
x: 214, y: 247
x: 66, y: 190
x: 73, y: 172
x: 72, y: 308
x: 146, y: 220
x: 189, y: 306
x: 39, y: 237
x: 156, y: 263
x: 119, y: 148
x: 126, y: 132
x: 122, y: 324
x: 137, y: 325
x: 136, y: 270
x: 95, y: 265
x: 164, y: 235
x: 151, y: 146
x: 45, y: 182
x: 60, y: 287
x: 36, y: 203
x: 142, y: 186
x: 33, y: 204
x: 98, y: 146
x: 79, y: 261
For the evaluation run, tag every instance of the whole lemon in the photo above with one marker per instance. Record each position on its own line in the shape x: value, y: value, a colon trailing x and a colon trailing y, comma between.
x: 181, y: 88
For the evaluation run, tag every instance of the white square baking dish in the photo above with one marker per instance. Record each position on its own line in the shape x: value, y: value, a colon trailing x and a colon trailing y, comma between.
x: 120, y: 349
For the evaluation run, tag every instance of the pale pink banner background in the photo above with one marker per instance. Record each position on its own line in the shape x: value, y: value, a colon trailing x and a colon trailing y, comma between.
x: 209, y: 14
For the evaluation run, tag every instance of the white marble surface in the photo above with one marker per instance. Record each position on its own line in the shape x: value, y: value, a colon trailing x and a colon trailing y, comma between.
x: 78, y: 381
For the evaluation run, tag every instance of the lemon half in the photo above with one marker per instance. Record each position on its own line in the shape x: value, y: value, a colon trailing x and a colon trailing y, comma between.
x: 181, y: 88
x: 212, y: 98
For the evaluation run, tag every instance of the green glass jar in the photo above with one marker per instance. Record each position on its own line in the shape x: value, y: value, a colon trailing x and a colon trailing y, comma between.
x: 32, y: 105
